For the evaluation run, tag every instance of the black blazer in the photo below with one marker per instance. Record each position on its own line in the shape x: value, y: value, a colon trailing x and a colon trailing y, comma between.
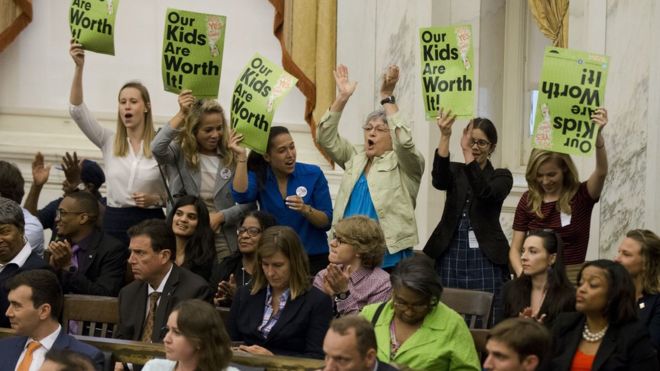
x: 648, y: 310
x: 181, y: 285
x: 563, y: 301
x: 485, y: 191
x: 101, y: 267
x: 624, y: 347
x: 298, y: 332
x: 32, y: 262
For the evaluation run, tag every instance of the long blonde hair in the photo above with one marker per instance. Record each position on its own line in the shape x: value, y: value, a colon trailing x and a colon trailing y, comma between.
x: 650, y: 251
x: 120, y: 147
x: 570, y: 185
x: 188, y: 136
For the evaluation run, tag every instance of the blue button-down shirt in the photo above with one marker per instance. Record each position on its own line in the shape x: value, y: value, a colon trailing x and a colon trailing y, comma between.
x: 316, y: 194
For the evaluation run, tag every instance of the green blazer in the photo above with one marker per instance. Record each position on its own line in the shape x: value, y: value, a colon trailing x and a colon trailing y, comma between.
x: 442, y: 343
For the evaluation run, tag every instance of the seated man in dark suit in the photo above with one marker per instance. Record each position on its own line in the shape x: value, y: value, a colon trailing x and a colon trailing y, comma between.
x: 87, y: 260
x: 350, y: 345
x: 35, y: 303
x: 16, y: 254
x: 159, y: 285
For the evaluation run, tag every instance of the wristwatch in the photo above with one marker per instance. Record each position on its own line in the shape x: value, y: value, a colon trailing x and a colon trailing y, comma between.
x: 342, y: 296
x: 389, y: 99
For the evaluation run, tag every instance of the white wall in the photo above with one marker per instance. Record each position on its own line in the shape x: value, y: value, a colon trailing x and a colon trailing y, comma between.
x: 36, y: 69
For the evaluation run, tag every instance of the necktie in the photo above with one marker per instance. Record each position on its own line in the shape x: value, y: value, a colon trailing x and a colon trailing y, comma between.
x: 74, y: 255
x: 149, y: 323
x: 27, y: 360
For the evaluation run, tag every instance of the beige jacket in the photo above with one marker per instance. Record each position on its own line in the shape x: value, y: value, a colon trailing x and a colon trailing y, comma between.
x: 393, y: 178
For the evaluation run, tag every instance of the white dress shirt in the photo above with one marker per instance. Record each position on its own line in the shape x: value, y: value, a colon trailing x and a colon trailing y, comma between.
x: 20, y: 258
x: 39, y: 354
x: 124, y: 175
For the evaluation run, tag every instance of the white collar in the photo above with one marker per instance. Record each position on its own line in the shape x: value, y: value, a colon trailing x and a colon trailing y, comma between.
x: 161, y: 287
x: 21, y: 257
x: 48, y: 341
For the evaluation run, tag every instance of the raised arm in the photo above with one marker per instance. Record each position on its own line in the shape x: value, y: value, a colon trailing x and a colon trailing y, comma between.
x: 410, y: 159
x: 78, y: 111
x: 327, y: 133
x: 240, y: 182
x: 78, y: 55
x: 40, y: 174
x: 514, y: 252
x: 596, y: 181
x: 161, y: 146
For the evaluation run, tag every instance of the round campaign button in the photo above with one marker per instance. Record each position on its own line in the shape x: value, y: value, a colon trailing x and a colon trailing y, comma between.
x: 301, y: 191
x: 225, y: 173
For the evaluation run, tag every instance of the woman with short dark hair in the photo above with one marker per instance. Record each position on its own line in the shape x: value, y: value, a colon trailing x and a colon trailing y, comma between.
x: 415, y: 328
x: 468, y: 244
x: 604, y: 334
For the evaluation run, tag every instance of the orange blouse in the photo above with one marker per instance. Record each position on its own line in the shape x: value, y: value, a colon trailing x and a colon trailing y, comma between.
x: 582, y: 361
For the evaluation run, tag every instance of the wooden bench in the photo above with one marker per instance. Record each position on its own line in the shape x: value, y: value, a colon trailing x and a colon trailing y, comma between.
x: 139, y: 353
x: 94, y: 315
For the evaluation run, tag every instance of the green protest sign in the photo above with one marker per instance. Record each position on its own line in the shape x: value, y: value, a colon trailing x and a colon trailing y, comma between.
x: 92, y: 24
x: 258, y: 92
x: 447, y: 70
x: 571, y: 87
x: 192, y: 52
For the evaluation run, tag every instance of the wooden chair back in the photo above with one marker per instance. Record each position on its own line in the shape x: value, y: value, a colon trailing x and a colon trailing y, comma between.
x: 471, y: 304
x: 94, y: 315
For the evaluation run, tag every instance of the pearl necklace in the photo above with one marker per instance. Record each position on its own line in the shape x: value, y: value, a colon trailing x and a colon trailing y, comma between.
x: 592, y: 337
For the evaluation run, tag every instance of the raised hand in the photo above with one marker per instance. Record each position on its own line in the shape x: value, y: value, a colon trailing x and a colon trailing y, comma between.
x: 466, y: 139
x: 345, y: 87
x: 234, y: 144
x: 40, y: 171
x: 77, y: 53
x: 600, y: 118
x: 445, y: 121
x: 186, y: 101
x: 72, y: 168
x: 390, y: 78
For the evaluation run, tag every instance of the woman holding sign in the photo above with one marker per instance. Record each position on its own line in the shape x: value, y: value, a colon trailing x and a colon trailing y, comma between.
x: 199, y: 163
x: 557, y: 200
x: 135, y: 190
x: 468, y: 244
x: 296, y: 194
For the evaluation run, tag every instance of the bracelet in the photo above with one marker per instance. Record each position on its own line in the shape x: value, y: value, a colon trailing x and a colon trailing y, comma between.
x: 309, y: 210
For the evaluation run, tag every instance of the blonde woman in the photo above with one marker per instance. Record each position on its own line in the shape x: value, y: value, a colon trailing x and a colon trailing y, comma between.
x: 354, y: 277
x: 557, y: 200
x: 639, y: 253
x: 193, y: 146
x: 135, y: 190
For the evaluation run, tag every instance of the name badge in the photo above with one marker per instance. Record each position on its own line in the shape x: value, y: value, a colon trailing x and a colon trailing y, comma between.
x: 472, y: 240
x: 565, y: 219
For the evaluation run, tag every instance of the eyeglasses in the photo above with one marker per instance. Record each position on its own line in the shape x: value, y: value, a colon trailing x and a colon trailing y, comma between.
x: 479, y: 142
x: 61, y: 212
x: 418, y: 307
x: 339, y: 240
x: 379, y: 128
x: 251, y: 231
